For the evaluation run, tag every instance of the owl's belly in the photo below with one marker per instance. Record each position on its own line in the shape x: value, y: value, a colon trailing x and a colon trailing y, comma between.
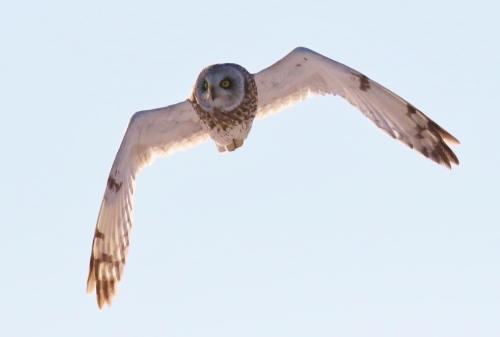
x: 229, y: 128
x: 225, y: 127
x: 226, y: 135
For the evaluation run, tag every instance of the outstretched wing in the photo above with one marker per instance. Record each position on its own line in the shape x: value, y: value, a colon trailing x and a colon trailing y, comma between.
x: 304, y: 73
x: 149, y: 134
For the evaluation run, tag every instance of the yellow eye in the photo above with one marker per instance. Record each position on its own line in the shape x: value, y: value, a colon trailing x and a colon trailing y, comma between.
x: 205, y: 85
x: 225, y: 83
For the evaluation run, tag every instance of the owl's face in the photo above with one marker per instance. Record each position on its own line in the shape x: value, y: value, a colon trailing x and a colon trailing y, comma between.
x: 220, y: 86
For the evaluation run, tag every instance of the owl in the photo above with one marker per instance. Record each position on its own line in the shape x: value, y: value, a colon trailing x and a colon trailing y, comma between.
x: 224, y: 102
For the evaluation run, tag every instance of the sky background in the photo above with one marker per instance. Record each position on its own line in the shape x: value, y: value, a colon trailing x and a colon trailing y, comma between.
x: 321, y: 225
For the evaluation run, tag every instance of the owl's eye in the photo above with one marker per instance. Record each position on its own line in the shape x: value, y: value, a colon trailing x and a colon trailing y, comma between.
x: 225, y: 83
x: 205, y: 85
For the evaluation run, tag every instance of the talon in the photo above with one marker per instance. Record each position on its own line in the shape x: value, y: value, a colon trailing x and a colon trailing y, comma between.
x: 234, y: 145
x: 237, y: 143
x: 231, y: 147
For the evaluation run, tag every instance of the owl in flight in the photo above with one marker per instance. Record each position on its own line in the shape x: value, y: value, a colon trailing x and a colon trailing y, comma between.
x: 223, y: 104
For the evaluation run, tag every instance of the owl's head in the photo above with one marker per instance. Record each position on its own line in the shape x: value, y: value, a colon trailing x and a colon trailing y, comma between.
x: 220, y: 86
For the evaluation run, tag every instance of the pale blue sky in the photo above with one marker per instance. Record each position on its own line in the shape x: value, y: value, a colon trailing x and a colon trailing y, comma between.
x: 321, y: 225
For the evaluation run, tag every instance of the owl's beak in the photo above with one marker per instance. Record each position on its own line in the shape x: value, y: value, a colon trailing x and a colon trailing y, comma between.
x: 211, y: 93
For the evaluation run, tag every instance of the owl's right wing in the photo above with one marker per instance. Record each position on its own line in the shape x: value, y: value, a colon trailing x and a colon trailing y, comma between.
x: 304, y: 73
x: 150, y: 133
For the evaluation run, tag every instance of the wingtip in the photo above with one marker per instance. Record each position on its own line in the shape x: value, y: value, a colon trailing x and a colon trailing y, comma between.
x: 303, y: 50
x: 105, y: 291
x: 449, y: 139
x: 447, y: 164
x: 102, y: 301
x: 91, y: 277
x: 446, y: 136
x: 90, y: 286
x: 450, y: 159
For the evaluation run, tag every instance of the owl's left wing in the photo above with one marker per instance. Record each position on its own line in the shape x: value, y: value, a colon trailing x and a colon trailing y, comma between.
x: 304, y: 73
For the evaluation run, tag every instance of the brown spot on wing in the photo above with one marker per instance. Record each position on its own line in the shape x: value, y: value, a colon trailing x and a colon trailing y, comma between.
x: 364, y: 83
x: 107, y: 258
x: 420, y: 130
x: 425, y: 152
x: 113, y: 185
x: 98, y: 234
x: 411, y: 108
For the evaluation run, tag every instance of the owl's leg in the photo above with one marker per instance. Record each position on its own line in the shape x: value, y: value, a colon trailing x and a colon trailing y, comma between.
x: 234, y: 145
x: 220, y: 148
x: 238, y: 143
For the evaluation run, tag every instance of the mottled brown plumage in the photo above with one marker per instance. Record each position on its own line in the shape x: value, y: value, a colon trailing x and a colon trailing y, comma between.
x: 228, y: 127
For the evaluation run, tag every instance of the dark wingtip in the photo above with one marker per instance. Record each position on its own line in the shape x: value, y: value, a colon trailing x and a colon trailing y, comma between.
x: 105, y: 292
